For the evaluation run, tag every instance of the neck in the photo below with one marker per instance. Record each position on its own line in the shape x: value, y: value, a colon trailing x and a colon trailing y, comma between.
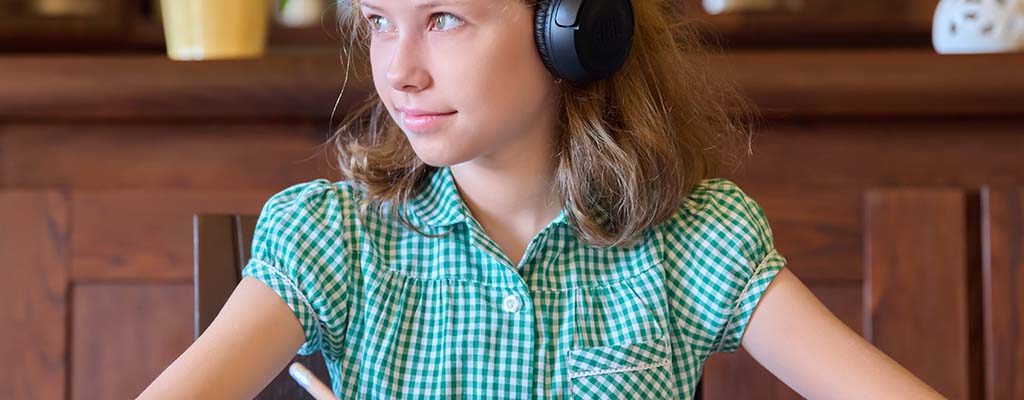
x: 518, y: 197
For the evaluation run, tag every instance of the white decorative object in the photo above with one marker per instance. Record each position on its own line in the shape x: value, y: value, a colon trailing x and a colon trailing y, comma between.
x: 978, y: 26
x: 731, y: 6
x: 300, y: 13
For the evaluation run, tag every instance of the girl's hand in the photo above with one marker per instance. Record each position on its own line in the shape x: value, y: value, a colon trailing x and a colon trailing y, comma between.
x: 306, y: 379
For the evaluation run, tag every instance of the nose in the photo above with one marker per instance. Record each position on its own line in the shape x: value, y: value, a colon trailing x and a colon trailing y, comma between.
x: 406, y: 72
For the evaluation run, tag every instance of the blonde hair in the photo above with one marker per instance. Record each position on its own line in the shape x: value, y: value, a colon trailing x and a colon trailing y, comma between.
x: 631, y: 147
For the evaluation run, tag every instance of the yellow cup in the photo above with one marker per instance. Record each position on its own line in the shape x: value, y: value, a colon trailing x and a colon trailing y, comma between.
x: 68, y: 7
x: 215, y: 29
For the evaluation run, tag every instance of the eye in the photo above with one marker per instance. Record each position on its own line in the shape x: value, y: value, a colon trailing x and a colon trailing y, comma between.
x: 378, y: 23
x: 446, y: 21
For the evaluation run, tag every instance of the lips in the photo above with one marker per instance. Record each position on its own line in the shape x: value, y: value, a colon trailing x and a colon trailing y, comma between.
x: 414, y: 112
x: 423, y: 121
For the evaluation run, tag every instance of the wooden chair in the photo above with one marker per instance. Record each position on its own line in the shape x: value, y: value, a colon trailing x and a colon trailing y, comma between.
x: 221, y: 245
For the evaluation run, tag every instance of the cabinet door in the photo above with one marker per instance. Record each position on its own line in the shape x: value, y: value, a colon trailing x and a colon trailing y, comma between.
x: 33, y: 313
x: 131, y: 268
x: 1003, y: 291
x: 900, y: 266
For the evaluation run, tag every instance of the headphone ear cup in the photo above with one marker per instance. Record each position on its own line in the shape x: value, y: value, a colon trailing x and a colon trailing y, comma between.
x: 540, y: 35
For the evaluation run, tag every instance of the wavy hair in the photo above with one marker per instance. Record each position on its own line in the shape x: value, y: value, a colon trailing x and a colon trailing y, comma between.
x: 630, y: 148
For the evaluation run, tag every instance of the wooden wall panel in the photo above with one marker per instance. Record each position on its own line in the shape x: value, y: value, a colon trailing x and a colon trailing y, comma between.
x: 139, y: 155
x: 785, y: 83
x: 124, y: 335
x: 33, y: 265
x: 1003, y: 229
x: 145, y: 234
x: 916, y: 283
x: 817, y: 230
x: 142, y: 143
x: 879, y: 83
x: 739, y: 376
x: 132, y: 87
x: 3, y: 156
x: 863, y: 153
x: 825, y: 23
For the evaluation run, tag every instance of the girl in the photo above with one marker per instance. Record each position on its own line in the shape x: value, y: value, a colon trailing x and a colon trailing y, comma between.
x: 528, y: 213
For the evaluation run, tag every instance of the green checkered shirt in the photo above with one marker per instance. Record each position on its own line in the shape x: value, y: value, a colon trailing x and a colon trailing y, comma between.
x: 399, y: 315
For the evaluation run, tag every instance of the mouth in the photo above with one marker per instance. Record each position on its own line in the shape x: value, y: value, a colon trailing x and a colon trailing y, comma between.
x: 423, y: 122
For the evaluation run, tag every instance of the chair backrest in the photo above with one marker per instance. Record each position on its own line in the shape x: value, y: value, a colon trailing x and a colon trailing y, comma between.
x: 221, y: 245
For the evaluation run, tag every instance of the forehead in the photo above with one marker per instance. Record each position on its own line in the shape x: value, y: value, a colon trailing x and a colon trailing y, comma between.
x: 421, y: 4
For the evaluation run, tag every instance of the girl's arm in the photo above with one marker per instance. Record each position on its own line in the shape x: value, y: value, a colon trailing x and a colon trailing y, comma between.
x: 802, y: 343
x: 249, y: 342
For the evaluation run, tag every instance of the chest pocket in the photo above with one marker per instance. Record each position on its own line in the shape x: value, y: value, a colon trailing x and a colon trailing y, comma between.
x: 621, y: 345
x: 638, y: 370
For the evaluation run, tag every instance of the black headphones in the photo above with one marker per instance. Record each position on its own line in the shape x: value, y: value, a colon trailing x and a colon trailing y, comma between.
x: 584, y: 40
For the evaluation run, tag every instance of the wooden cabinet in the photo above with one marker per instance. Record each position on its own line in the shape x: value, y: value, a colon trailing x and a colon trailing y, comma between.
x: 120, y: 26
x: 892, y: 180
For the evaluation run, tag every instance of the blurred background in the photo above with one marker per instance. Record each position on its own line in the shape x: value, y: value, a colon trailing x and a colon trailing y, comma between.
x: 889, y: 160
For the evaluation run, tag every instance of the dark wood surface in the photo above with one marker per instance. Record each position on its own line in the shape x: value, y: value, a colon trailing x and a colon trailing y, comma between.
x: 299, y: 87
x: 101, y: 173
x: 124, y: 335
x: 305, y: 86
x: 144, y: 235
x: 1003, y: 213
x: 223, y: 247
x: 122, y: 26
x: 216, y: 266
x: 916, y: 284
x: 822, y: 23
x: 208, y: 154
x: 34, y: 287
x: 861, y: 153
x: 133, y: 25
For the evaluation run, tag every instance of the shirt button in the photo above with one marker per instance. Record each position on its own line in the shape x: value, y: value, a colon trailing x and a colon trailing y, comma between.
x: 511, y: 303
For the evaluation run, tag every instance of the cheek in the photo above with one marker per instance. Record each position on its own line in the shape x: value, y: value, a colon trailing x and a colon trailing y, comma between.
x: 502, y: 72
x: 381, y: 85
x: 377, y: 69
x: 509, y: 89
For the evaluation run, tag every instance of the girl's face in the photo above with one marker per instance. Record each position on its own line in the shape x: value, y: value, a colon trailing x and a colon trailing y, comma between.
x: 462, y: 78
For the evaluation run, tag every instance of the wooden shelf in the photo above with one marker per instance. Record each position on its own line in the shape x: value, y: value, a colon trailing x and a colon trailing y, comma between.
x: 893, y: 82
x: 134, y: 87
x: 821, y: 23
x: 123, y: 26
x: 134, y: 25
x: 305, y: 85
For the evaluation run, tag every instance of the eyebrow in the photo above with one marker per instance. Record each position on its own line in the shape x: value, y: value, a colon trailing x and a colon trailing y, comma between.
x: 423, y: 5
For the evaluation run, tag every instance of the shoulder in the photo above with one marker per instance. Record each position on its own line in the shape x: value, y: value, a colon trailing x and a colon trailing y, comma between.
x: 317, y: 211
x: 720, y: 248
x: 718, y: 214
x: 716, y: 195
x: 300, y: 249
x: 310, y: 198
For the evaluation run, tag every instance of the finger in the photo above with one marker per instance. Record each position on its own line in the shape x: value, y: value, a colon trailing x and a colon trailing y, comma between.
x: 307, y: 380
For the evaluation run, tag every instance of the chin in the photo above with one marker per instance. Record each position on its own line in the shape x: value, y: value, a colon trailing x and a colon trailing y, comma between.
x: 438, y: 151
x: 438, y: 157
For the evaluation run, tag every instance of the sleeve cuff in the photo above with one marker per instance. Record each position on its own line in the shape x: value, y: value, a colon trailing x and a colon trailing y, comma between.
x: 748, y: 300
x: 293, y: 297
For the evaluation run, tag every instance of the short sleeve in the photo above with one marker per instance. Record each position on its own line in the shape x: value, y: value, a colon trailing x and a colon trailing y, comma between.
x: 720, y: 258
x: 298, y: 250
x: 761, y: 263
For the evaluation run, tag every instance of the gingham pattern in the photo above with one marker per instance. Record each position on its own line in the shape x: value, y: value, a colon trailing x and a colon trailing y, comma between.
x: 398, y: 315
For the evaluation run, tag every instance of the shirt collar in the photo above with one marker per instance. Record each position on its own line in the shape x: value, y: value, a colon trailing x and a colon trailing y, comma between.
x: 440, y: 205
